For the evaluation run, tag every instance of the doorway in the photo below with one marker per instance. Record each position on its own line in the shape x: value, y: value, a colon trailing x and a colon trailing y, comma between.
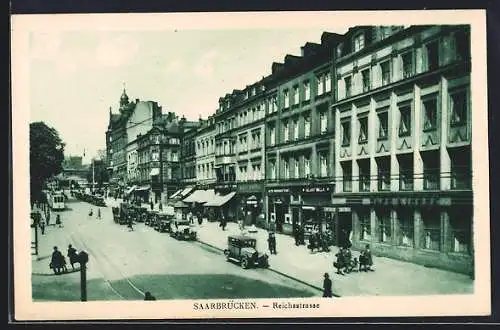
x: 344, y: 229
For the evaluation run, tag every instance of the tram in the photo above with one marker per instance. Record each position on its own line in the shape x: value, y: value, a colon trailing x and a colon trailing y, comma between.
x: 56, y: 200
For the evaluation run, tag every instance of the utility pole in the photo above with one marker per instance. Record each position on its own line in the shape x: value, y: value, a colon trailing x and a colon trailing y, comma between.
x: 93, y: 175
x: 83, y: 258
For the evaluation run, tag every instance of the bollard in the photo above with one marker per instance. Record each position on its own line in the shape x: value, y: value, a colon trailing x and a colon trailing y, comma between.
x: 83, y: 258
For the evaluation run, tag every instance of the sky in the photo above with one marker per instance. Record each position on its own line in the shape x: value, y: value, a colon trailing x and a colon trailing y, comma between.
x: 77, y: 75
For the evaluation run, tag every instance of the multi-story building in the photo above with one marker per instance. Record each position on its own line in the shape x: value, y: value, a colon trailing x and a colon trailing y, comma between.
x: 204, y: 147
x: 239, y: 148
x: 403, y: 143
x: 299, y: 141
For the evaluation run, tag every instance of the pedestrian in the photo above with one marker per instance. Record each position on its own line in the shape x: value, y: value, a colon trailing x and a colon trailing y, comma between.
x: 58, y: 221
x: 340, y: 262
x: 272, y: 243
x: 149, y: 296
x: 327, y: 286
x: 131, y: 228
x: 160, y: 207
x: 57, y: 261
x: 98, y: 213
x: 42, y: 226
x: 72, y: 256
x: 151, y: 204
x: 48, y: 218
x: 365, y: 259
x: 91, y: 212
x: 223, y: 223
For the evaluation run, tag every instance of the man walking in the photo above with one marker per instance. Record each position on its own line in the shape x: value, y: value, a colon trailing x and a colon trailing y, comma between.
x: 327, y: 286
x: 272, y: 243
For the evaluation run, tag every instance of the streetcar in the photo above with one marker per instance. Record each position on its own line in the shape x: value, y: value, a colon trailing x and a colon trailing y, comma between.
x: 56, y: 200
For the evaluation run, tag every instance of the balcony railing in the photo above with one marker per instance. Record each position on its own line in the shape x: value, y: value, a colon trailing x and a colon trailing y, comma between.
x: 405, y: 182
x: 431, y: 181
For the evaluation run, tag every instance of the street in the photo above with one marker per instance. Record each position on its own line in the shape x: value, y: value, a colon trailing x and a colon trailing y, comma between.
x: 124, y: 264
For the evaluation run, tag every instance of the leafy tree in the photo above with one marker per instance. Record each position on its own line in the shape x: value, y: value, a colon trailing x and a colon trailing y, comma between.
x: 46, y: 156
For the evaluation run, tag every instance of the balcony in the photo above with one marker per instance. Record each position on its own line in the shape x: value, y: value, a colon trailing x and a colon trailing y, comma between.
x: 224, y: 159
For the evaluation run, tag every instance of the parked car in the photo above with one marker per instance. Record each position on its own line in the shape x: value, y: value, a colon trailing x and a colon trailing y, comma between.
x: 182, y: 230
x: 242, y: 249
x: 163, y: 223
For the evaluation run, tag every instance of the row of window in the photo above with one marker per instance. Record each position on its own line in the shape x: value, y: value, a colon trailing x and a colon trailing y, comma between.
x: 205, y: 147
x: 429, y: 108
x: 206, y: 171
x: 298, y: 167
x: 302, y: 92
x: 297, y: 128
x: 402, y: 231
x: 459, y: 173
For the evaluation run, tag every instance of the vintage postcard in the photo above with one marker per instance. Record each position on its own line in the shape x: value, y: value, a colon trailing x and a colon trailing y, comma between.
x: 250, y: 165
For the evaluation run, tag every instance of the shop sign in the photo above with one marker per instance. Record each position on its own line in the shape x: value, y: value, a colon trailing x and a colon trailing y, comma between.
x: 249, y: 187
x: 226, y: 186
x: 278, y: 190
x: 317, y: 189
x: 339, y: 201
x: 252, y: 202
x: 329, y: 209
x: 406, y: 201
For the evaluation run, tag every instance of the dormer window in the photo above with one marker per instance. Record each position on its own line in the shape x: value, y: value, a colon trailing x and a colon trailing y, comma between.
x: 359, y: 42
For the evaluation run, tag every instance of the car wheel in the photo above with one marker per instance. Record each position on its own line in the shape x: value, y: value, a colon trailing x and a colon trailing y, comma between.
x: 244, y: 263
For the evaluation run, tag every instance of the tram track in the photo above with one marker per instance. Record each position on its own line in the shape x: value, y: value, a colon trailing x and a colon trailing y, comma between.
x: 122, y: 287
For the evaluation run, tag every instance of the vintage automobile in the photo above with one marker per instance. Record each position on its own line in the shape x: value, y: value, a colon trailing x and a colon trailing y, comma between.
x: 242, y: 249
x: 181, y: 230
x: 163, y: 222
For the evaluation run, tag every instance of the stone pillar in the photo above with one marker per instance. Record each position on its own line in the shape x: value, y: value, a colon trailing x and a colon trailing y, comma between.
x: 445, y: 162
x: 418, y: 166
x: 394, y: 226
x: 417, y: 229
x: 373, y: 226
x: 446, y: 242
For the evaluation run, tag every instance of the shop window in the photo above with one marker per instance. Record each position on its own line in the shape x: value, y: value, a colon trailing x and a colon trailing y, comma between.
x: 363, y: 130
x: 405, y: 120
x: 384, y: 226
x: 432, y: 55
x: 366, y: 80
x: 364, y: 174
x: 431, y: 170
x: 460, y: 229
x: 405, y: 171
x: 346, y: 132
x: 383, y: 125
x: 430, y: 114
x: 406, y: 227
x: 431, y: 236
x: 364, y: 226
x: 458, y: 106
x: 384, y: 173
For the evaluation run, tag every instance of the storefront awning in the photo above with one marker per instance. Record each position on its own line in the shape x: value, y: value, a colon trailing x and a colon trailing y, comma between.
x: 154, y: 171
x: 186, y: 191
x: 130, y: 190
x: 194, y: 197
x: 220, y: 200
x: 142, y: 188
x: 176, y: 194
x: 200, y: 196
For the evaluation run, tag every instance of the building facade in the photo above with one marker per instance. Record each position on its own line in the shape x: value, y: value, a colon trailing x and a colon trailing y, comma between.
x: 403, y: 143
x: 203, y: 170
x: 300, y: 136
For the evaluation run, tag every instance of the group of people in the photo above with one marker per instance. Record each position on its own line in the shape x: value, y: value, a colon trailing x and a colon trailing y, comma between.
x: 58, y: 261
x: 42, y: 223
x: 91, y: 213
x: 345, y: 263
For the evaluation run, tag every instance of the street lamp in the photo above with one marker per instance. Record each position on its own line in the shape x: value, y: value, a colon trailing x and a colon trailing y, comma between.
x: 83, y: 258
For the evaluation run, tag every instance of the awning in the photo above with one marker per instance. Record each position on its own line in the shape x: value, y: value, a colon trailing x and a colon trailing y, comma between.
x: 142, y: 188
x: 129, y: 191
x: 220, y: 200
x: 186, y: 191
x: 194, y: 197
x: 200, y: 196
x: 176, y: 194
x: 154, y: 171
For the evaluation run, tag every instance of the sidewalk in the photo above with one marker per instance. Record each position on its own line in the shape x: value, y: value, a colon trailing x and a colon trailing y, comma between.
x: 391, y: 277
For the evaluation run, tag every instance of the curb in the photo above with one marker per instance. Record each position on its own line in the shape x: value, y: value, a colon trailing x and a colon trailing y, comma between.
x: 277, y: 272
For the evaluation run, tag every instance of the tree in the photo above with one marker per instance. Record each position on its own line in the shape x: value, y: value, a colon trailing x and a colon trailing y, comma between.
x: 46, y: 156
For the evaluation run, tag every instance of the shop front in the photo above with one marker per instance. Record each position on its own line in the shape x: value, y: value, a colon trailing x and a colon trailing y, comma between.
x: 280, y: 217
x: 251, y: 204
x: 223, y: 204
